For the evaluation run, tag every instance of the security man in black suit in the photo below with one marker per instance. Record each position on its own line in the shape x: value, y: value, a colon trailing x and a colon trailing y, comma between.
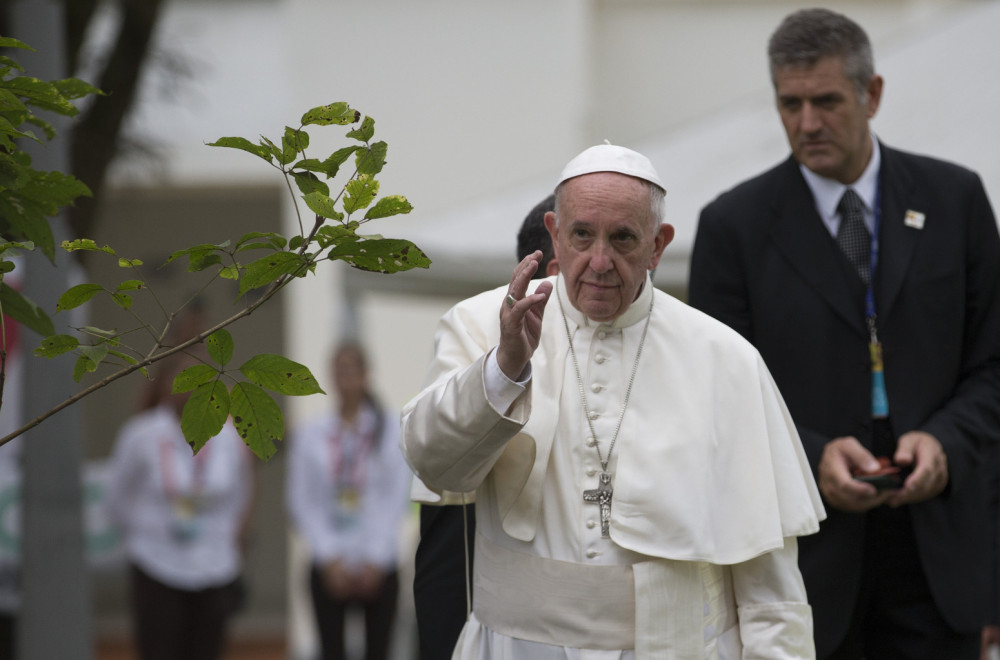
x: 869, y: 280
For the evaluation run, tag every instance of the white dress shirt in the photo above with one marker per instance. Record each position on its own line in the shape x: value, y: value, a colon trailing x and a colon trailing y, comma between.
x: 827, y: 192
x: 180, y: 513
x: 347, y: 491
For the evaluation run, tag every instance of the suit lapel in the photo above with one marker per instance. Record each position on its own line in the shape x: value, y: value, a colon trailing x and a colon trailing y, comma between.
x: 799, y: 234
x: 897, y: 241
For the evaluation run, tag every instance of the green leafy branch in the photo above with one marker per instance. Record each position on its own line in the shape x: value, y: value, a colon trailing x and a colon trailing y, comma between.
x: 216, y: 393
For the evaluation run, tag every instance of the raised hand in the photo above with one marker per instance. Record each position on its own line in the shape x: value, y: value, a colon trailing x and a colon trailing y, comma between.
x: 521, y: 318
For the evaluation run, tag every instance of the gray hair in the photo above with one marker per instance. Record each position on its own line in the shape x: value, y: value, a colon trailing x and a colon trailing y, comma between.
x: 656, y: 197
x: 809, y: 35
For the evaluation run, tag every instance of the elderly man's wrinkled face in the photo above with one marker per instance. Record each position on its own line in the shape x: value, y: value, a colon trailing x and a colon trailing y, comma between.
x: 605, y: 241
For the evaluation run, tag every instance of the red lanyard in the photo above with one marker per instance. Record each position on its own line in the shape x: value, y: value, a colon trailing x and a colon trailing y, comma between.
x: 348, y: 455
x: 169, y: 463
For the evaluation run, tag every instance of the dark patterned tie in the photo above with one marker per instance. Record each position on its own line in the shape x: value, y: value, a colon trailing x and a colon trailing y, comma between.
x: 853, y: 237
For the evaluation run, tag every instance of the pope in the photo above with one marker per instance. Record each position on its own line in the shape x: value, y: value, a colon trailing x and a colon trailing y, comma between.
x: 639, y: 484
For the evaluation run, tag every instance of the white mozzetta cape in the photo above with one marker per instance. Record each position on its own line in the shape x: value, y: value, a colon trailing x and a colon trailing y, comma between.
x: 716, y: 474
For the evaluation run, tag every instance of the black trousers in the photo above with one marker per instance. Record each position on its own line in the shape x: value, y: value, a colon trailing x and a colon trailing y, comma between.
x: 439, y: 583
x: 895, y: 617
x: 175, y: 624
x: 8, y: 624
x: 379, y: 612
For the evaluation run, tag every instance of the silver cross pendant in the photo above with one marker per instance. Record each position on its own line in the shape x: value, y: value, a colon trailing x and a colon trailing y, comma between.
x: 601, y: 496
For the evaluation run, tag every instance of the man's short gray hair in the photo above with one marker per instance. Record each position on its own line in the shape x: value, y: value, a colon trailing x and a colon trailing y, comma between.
x: 656, y: 197
x: 809, y: 35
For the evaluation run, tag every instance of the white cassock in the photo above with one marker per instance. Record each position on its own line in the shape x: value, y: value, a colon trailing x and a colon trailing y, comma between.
x: 711, y: 487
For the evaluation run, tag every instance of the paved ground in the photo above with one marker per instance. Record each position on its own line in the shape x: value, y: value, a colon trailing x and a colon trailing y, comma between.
x: 257, y: 650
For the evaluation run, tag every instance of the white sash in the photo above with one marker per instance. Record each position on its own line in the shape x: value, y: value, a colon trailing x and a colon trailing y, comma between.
x: 674, y: 610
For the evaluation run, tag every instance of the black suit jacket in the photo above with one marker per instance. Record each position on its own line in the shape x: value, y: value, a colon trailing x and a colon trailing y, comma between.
x: 764, y: 263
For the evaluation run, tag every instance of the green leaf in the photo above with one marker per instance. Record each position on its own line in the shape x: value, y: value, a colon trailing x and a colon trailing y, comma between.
x: 84, y: 365
x: 205, y: 413
x: 47, y: 128
x: 11, y: 42
x: 268, y: 269
x: 230, y: 273
x: 128, y: 359
x: 335, y: 113
x: 7, y: 128
x: 371, y: 160
x: 56, y: 345
x: 110, y: 336
x: 276, y: 151
x: 41, y: 94
x: 129, y: 263
x: 279, y: 374
x: 387, y: 206
x: 364, y: 132
x: 25, y: 220
x: 293, y: 142
x: 275, y: 241
x: 74, y: 88
x: 16, y: 245
x: 77, y: 295
x: 24, y: 311
x: 244, y: 145
x: 53, y: 190
x: 360, y: 193
x: 123, y: 300
x: 335, y: 235
x: 381, y: 255
x: 9, y: 63
x: 220, y: 346
x: 86, y: 244
x: 196, y: 250
x: 309, y: 183
x: 337, y: 158
x: 310, y: 165
x: 96, y: 353
x: 198, y: 263
x: 257, y: 418
x: 131, y: 285
x: 90, y: 358
x: 322, y: 205
x: 192, y: 377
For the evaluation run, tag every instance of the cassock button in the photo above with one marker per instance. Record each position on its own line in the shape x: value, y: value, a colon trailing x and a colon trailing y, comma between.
x: 591, y: 524
x: 600, y: 359
x: 591, y: 471
x: 593, y: 553
x: 591, y: 442
x: 594, y: 415
x: 602, y: 334
x: 595, y: 388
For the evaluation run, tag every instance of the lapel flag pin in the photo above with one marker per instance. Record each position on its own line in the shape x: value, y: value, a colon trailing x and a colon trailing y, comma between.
x: 914, y: 219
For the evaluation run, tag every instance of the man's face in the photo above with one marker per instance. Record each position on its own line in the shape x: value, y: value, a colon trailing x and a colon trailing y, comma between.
x: 825, y: 119
x: 605, y: 241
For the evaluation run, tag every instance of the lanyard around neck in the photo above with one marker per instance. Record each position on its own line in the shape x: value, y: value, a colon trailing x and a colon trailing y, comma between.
x: 873, y: 254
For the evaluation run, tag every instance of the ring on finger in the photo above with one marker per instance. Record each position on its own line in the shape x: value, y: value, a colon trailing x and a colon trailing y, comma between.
x: 509, y: 300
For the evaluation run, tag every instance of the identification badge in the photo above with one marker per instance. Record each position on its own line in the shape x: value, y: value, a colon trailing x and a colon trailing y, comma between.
x: 185, y: 525
x: 348, y: 498
x: 347, y: 507
x: 880, y: 400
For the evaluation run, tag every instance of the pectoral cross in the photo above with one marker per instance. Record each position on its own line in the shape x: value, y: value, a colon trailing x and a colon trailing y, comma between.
x: 601, y: 496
